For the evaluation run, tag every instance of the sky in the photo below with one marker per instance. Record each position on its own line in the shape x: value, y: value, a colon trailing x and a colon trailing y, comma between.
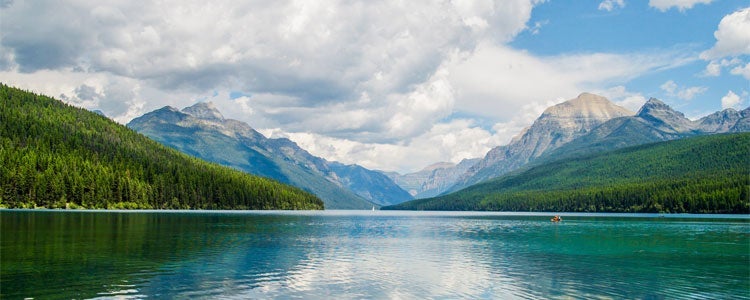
x: 389, y: 85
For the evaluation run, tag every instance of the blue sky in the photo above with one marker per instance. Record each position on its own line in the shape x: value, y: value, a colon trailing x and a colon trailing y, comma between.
x: 390, y: 85
x: 636, y: 26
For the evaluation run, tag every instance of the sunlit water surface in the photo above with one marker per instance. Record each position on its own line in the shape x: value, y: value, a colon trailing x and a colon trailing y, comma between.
x: 371, y: 254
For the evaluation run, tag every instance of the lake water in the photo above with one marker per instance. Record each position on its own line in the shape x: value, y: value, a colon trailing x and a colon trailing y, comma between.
x: 371, y: 255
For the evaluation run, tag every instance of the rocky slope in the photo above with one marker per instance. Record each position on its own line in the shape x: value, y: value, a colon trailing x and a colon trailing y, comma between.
x: 557, y: 126
x: 202, y: 131
x: 433, y: 180
x: 654, y: 122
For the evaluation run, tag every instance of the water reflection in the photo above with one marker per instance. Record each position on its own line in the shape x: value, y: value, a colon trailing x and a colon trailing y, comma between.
x: 366, y: 255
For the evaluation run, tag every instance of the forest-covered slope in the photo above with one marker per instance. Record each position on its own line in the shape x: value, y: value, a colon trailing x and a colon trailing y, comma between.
x: 54, y: 155
x: 706, y: 174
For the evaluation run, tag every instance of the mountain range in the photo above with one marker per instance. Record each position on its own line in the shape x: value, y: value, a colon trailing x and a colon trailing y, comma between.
x: 587, y: 124
x: 590, y: 124
x: 697, y: 174
x: 434, y: 179
x: 202, y: 131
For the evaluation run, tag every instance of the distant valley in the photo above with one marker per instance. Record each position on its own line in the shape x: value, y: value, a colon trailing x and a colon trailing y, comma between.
x: 434, y: 179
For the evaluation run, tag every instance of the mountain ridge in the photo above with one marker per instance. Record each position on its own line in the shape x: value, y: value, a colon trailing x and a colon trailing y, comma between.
x: 432, y: 180
x: 556, y: 126
x: 200, y: 129
x: 698, y: 174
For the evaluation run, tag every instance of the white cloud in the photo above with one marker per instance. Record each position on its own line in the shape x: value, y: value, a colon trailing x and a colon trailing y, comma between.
x: 610, y: 5
x: 681, y: 5
x: 538, y: 27
x: 714, y: 67
x: 669, y: 87
x: 731, y: 100
x: 451, y: 141
x: 621, y: 96
x: 732, y: 36
x: 684, y: 93
x: 498, y: 81
x: 389, y: 84
x: 743, y: 71
x: 690, y: 92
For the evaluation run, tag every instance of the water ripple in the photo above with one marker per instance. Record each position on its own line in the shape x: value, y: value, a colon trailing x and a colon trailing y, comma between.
x: 366, y: 255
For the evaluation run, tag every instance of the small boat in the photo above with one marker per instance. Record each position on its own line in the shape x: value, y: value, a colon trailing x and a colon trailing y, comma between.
x: 556, y: 219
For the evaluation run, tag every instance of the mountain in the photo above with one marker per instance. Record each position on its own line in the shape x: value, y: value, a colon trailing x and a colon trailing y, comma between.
x: 202, y: 131
x: 702, y: 174
x: 654, y: 122
x: 432, y: 180
x: 374, y: 186
x: 557, y: 126
x: 728, y: 120
x: 58, y: 156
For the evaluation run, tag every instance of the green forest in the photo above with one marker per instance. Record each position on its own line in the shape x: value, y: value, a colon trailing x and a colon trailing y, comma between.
x: 707, y: 174
x: 54, y: 155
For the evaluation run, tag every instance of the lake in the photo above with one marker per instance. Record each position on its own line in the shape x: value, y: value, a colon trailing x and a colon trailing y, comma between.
x: 48, y: 254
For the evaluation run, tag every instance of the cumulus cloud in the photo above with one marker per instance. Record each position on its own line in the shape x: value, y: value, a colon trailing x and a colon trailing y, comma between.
x: 380, y: 83
x: 482, y: 80
x: 610, y: 5
x: 732, y: 43
x: 681, y: 5
x: 732, y: 36
x: 731, y: 100
x: 276, y: 47
x: 447, y: 141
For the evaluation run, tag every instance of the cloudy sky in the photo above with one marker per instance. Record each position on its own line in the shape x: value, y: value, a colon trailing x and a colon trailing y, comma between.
x: 390, y: 85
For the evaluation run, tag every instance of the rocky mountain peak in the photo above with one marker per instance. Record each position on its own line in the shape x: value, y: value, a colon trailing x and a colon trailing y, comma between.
x: 558, y: 125
x: 166, y: 114
x: 565, y: 121
x: 720, y: 121
x: 654, y: 105
x: 204, y: 110
x: 664, y: 117
x: 587, y: 105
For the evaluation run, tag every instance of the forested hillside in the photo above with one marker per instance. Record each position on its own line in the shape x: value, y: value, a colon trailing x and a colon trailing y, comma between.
x: 707, y: 174
x: 54, y: 155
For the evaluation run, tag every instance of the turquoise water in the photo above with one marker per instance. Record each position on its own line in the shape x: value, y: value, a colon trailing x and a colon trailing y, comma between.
x: 371, y: 255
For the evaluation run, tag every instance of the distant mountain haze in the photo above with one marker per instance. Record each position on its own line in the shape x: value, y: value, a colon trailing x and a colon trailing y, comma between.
x: 434, y: 179
x: 202, y: 131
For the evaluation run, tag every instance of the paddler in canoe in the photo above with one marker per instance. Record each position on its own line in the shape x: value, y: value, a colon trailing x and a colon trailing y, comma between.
x: 556, y: 219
